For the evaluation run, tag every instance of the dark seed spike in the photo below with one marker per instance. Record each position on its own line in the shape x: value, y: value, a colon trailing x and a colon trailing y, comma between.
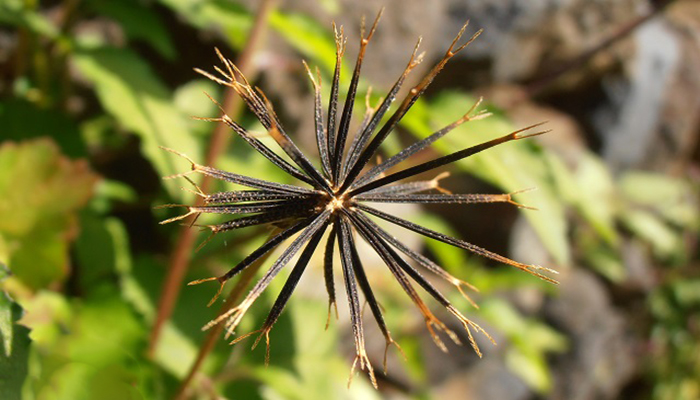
x: 418, y: 146
x: 441, y: 198
x: 409, y: 100
x: 321, y: 135
x: 262, y: 109
x: 243, y: 89
x: 369, y: 295
x: 340, y: 41
x: 252, y: 257
x: 450, y: 158
x: 250, y: 208
x: 428, y: 287
x: 366, y: 133
x: 354, y: 301
x: 255, y: 105
x: 328, y: 272
x: 234, y: 315
x: 344, y: 125
x: 394, y: 190
x: 365, y: 287
x: 212, y: 77
x: 406, y: 188
x: 425, y: 262
x: 252, y: 182
x: 430, y: 319
x: 532, y: 269
x: 262, y: 250
x: 417, y: 277
x: 236, y: 178
x: 288, y: 289
x: 258, y: 219
x: 369, y: 112
x: 293, y: 151
x: 257, y: 144
x: 238, y: 196
x: 266, y: 151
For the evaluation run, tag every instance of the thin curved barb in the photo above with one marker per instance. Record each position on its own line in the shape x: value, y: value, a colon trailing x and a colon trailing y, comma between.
x: 335, y: 195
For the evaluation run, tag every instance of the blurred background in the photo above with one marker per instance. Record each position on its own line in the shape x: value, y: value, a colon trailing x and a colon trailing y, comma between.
x: 94, y: 302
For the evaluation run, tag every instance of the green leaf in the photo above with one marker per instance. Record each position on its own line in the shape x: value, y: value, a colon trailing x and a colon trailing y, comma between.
x: 231, y: 18
x: 665, y: 242
x: 135, y: 96
x: 317, y: 372
x: 307, y: 36
x: 5, y: 315
x: 46, y: 314
x: 530, y: 342
x: 21, y: 120
x: 138, y: 22
x: 41, y: 192
x: 512, y: 166
x: 675, y: 199
x: 596, y: 197
x: 191, y: 100
x: 605, y: 261
x: 176, y: 352
x: 20, y: 13
x: 84, y: 348
x: 102, y: 250
x: 14, y: 360
x: 531, y: 368
x: 687, y: 292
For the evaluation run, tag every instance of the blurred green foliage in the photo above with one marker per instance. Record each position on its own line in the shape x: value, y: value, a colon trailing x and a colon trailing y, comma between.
x: 80, y: 281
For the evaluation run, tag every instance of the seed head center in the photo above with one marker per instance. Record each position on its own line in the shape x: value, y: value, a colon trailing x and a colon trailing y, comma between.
x: 336, y: 203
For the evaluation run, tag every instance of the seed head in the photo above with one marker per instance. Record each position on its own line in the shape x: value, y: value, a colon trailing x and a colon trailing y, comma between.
x: 334, y: 198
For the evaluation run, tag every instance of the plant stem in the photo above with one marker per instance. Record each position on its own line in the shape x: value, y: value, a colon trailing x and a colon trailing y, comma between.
x: 213, y: 335
x: 182, y: 251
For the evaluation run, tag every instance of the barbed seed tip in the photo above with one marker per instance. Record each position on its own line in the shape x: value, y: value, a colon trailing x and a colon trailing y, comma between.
x: 198, y: 281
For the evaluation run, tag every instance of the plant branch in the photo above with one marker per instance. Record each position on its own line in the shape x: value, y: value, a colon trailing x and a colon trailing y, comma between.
x: 545, y: 82
x: 214, y: 333
x: 184, y: 245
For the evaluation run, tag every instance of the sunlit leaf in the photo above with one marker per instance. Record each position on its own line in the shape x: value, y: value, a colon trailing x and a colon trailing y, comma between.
x: 596, y: 197
x: 15, y: 354
x: 139, y: 22
x: 674, y: 198
x: 512, y: 167
x: 307, y: 36
x: 529, y: 342
x: 41, y: 192
x: 605, y: 261
x: 81, y: 344
x: 665, y: 242
x: 20, y: 13
x: 688, y: 292
x: 318, y: 370
x: 531, y: 368
x: 227, y: 16
x: 175, y: 352
x: 5, y: 315
x: 135, y: 96
x: 191, y: 100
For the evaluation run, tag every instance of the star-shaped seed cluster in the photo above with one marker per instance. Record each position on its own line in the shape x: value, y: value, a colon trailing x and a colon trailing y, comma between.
x: 337, y: 198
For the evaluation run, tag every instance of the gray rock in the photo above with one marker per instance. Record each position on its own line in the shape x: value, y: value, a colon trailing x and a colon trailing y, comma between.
x: 601, y: 359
